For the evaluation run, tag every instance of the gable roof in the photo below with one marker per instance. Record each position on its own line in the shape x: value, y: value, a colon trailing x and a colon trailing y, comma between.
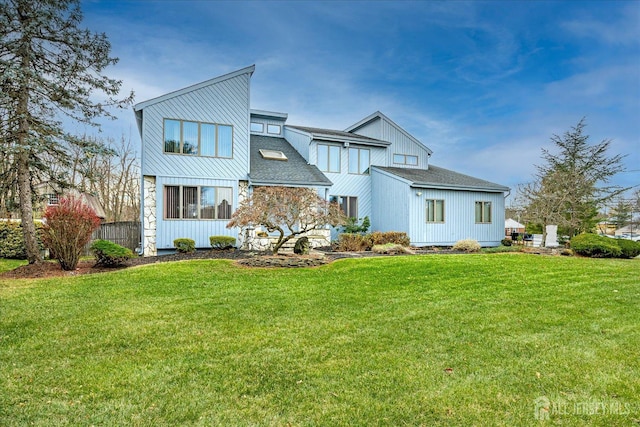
x: 247, y: 70
x: 333, y: 135
x: 380, y: 116
x: 295, y: 171
x: 436, y: 177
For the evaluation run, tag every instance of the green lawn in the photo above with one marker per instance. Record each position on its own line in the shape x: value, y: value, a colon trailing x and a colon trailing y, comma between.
x: 420, y: 340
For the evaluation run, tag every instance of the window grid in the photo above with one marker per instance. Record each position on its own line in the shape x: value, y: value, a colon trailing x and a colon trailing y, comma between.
x: 198, y: 138
x: 197, y: 202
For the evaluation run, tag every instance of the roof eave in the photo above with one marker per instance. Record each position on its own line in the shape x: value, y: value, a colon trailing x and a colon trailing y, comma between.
x: 440, y: 186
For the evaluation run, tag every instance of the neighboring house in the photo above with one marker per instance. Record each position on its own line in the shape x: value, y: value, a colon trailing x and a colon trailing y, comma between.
x: 51, y: 196
x: 204, y: 149
x: 512, y: 226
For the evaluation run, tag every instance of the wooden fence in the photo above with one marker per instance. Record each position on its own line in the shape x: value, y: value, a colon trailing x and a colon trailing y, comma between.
x: 125, y: 234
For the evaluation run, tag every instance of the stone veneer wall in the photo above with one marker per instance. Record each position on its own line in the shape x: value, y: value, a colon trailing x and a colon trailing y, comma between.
x: 149, y: 220
x: 243, y: 194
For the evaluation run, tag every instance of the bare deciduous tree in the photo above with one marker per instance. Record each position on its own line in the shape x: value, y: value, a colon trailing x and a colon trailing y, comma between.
x: 289, y: 211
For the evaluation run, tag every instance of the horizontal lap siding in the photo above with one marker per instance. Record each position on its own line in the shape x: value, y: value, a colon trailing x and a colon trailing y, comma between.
x: 198, y: 230
x: 225, y: 102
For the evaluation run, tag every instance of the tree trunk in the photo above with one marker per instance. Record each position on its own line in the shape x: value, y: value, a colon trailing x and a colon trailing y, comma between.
x: 26, y: 209
x: 22, y: 164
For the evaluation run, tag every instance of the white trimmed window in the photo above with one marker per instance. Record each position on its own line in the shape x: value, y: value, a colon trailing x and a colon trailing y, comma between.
x: 435, y: 210
x: 483, y: 212
x: 191, y: 202
x: 198, y: 139
x: 329, y: 158
x: 359, y: 161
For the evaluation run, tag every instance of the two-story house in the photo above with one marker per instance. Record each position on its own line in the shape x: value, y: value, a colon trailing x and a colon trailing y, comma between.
x: 204, y: 149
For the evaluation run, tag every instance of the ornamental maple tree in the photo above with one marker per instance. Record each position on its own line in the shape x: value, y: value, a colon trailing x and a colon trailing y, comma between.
x: 291, y: 211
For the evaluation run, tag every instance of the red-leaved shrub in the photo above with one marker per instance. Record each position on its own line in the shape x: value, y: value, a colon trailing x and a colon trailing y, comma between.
x: 67, y: 229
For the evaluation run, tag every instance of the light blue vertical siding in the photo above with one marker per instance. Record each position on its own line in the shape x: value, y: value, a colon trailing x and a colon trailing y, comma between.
x: 390, y: 203
x: 225, y: 102
x: 300, y: 141
x: 398, y: 207
x: 401, y: 142
x: 198, y: 230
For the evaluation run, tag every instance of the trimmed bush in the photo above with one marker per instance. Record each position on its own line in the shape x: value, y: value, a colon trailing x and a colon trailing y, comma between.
x: 391, y: 248
x: 396, y: 237
x: 12, y: 240
x: 629, y: 248
x: 352, y: 242
x: 302, y: 246
x: 67, y: 230
x: 595, y: 246
x: 506, y: 242
x: 184, y: 245
x: 352, y: 225
x: 222, y: 242
x: 467, y: 245
x: 110, y: 254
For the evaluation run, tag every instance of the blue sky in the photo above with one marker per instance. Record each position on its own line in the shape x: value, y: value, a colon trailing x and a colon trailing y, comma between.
x: 483, y: 84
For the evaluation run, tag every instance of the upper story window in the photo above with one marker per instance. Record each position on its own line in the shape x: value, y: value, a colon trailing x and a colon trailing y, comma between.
x: 483, y: 212
x: 435, y: 211
x: 198, y: 139
x: 359, y: 161
x: 328, y: 158
x: 257, y: 127
x: 274, y: 129
x: 405, y: 159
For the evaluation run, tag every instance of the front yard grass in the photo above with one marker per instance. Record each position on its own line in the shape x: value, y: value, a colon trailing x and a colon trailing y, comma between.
x: 418, y: 340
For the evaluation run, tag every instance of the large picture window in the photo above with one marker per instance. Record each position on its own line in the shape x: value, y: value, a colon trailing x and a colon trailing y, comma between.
x: 359, y: 161
x: 328, y: 158
x: 187, y: 202
x: 435, y: 210
x: 198, y: 139
x: 348, y: 205
x: 483, y: 212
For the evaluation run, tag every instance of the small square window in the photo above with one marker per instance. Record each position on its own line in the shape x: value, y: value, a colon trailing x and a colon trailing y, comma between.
x: 273, y: 129
x: 257, y: 127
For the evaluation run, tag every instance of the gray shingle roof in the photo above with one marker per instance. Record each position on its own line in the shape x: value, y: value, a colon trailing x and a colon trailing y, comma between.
x: 294, y: 171
x: 318, y: 133
x: 436, y: 177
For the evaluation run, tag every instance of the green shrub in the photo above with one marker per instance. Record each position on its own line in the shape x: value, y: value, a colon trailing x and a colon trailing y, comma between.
x: 396, y: 237
x: 351, y: 242
x: 506, y: 242
x: 12, y: 240
x: 629, y: 248
x: 184, y: 245
x: 467, y: 245
x: 391, y: 248
x: 222, y: 242
x: 67, y: 229
x: 110, y: 254
x: 352, y: 225
x: 595, y: 246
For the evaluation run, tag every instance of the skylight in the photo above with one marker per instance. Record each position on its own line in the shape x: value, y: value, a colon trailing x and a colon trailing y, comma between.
x: 273, y: 155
